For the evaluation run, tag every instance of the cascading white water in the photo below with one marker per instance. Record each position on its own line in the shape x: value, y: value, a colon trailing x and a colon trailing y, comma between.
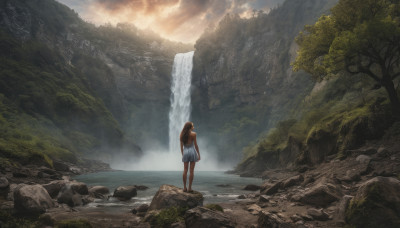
x: 180, y: 97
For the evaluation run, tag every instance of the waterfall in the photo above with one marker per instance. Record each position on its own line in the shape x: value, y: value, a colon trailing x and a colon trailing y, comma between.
x: 180, y: 98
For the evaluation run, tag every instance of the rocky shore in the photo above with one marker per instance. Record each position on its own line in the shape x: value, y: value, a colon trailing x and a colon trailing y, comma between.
x: 361, y: 189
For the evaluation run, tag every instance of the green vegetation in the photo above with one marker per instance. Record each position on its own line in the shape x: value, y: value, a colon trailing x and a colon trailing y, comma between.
x: 361, y: 37
x: 167, y: 216
x: 7, y: 220
x: 47, y: 109
x: 214, y: 207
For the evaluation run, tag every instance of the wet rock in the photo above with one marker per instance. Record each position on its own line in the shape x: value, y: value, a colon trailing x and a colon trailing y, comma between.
x: 201, y: 217
x: 79, y: 187
x: 141, y: 187
x: 241, y: 197
x: 32, y: 199
x: 223, y: 185
x: 376, y: 204
x: 142, y: 209
x: 292, y: 181
x: 99, y: 191
x: 270, y: 189
x: 54, y: 187
x: 169, y: 196
x: 266, y: 219
x: 252, y: 187
x: 363, y: 159
x: 69, y: 197
x: 318, y: 214
x: 125, y: 192
x: 321, y: 195
x: 60, y: 166
x: 4, y: 183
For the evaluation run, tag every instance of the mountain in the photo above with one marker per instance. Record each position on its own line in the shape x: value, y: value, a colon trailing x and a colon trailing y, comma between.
x: 70, y: 89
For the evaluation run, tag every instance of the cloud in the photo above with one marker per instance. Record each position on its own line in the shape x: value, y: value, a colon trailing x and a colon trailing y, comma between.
x: 179, y: 20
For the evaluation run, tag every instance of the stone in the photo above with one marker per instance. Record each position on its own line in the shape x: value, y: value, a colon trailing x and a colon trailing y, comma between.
x: 69, y: 197
x: 383, y: 152
x: 266, y: 219
x: 318, y: 214
x: 4, y: 183
x: 252, y: 187
x: 341, y: 209
x: 79, y: 187
x: 201, y: 217
x: 270, y: 189
x: 292, y: 181
x: 141, y: 187
x: 320, y: 195
x: 264, y: 199
x: 32, y: 199
x: 125, y: 192
x: 10, y: 195
x: 254, y: 209
x: 54, y: 187
x: 141, y: 210
x: 99, y: 191
x: 375, y: 204
x: 363, y: 159
x: 241, y: 197
x: 60, y: 166
x: 296, y: 218
x: 171, y: 196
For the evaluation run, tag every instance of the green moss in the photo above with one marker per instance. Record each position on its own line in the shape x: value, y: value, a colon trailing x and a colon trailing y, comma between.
x: 214, y: 207
x: 79, y: 223
x: 167, y: 216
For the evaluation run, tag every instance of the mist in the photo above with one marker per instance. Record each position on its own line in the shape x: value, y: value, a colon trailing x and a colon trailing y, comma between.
x: 163, y: 160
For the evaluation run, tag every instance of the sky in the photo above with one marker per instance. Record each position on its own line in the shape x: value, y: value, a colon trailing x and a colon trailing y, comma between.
x: 177, y: 20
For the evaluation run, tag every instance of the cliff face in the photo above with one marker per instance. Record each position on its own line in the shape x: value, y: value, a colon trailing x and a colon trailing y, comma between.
x: 242, y: 80
x: 123, y: 71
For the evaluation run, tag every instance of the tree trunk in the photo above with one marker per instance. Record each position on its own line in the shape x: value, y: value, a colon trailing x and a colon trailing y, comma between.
x: 394, y: 99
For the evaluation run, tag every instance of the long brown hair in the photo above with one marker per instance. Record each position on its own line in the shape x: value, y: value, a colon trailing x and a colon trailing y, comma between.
x: 186, y: 132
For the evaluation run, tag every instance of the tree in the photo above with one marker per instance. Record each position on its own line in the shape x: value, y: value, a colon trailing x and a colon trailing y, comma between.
x: 360, y: 37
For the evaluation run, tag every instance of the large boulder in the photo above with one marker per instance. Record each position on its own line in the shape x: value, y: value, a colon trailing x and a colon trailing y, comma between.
x: 376, y: 204
x: 32, y: 199
x: 270, y: 188
x: 79, y: 187
x: 296, y: 180
x: 54, y: 187
x: 69, y: 197
x: 125, y: 192
x: 320, y: 195
x: 201, y: 217
x: 171, y: 196
x: 99, y: 191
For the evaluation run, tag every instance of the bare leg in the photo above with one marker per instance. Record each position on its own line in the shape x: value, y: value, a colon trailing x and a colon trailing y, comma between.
x: 192, y: 164
x: 184, y: 176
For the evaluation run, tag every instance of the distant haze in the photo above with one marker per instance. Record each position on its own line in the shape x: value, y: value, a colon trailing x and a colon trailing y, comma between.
x: 177, y: 20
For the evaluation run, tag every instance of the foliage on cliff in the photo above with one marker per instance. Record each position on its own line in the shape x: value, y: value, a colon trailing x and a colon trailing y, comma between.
x: 47, y: 108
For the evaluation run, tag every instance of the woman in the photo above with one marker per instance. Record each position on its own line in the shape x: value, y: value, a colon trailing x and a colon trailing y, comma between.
x: 190, y: 153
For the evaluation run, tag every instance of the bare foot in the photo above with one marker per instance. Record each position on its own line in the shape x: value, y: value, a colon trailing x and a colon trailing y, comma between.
x: 184, y: 190
x: 190, y: 191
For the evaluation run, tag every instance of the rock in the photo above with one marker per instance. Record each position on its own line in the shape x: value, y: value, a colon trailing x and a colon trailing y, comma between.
x: 125, y: 192
x: 318, y: 214
x: 321, y: 195
x: 169, y: 195
x: 296, y: 218
x: 376, y: 204
x: 10, y: 195
x: 223, y: 185
x: 141, y: 210
x: 270, y: 189
x: 254, y: 209
x: 266, y: 219
x: 264, y: 199
x: 20, y: 173
x: 60, y: 166
x: 292, y: 181
x: 363, y: 159
x: 79, y: 187
x: 201, y: 217
x: 241, y: 197
x: 54, y: 187
x: 141, y: 187
x: 4, y: 183
x: 252, y: 187
x: 98, y: 191
x: 383, y: 152
x: 32, y: 199
x: 343, y: 204
x: 69, y: 197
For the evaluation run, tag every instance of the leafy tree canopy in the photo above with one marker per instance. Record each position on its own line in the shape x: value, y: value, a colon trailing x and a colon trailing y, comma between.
x: 361, y: 37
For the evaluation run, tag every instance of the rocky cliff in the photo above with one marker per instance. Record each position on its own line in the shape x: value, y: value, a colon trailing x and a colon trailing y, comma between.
x: 242, y: 80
